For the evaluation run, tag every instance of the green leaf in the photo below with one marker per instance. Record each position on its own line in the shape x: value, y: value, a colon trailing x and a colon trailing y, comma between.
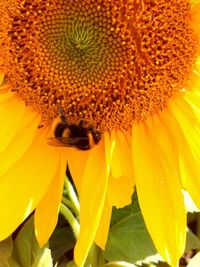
x: 63, y: 261
x: 128, y: 238
x: 6, y: 247
x: 195, y: 261
x: 45, y: 260
x: 61, y: 241
x: 150, y: 260
x: 192, y: 241
x: 26, y: 250
x: 189, y: 203
x: 72, y: 264
x: 95, y: 257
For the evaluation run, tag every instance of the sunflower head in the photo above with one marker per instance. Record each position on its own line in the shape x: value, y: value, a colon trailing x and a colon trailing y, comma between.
x: 110, y: 64
x: 118, y: 66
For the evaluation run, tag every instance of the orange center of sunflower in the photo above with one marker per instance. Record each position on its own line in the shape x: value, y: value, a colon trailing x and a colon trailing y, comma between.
x: 107, y: 62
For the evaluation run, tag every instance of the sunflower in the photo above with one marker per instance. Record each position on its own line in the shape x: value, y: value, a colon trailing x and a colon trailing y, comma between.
x: 131, y: 70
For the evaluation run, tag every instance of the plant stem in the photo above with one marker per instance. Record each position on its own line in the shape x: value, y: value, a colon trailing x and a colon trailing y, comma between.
x: 67, y: 202
x: 71, y: 219
x: 72, y: 196
x: 119, y: 264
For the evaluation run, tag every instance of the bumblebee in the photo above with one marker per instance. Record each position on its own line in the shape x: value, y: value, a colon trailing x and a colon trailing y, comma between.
x: 73, y: 135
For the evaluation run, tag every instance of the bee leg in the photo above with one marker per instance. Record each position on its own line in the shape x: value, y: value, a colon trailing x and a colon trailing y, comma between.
x: 64, y: 120
x: 62, y: 116
x: 60, y: 110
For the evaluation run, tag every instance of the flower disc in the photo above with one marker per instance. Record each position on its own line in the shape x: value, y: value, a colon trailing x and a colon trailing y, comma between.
x: 108, y: 62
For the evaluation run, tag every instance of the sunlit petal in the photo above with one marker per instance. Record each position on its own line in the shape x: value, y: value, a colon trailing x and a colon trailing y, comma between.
x: 77, y: 160
x: 189, y: 145
x: 12, y: 111
x: 93, y: 193
x: 21, y: 141
x: 46, y: 213
x: 25, y: 184
x: 121, y: 161
x: 159, y: 187
x: 104, y: 225
x: 120, y: 191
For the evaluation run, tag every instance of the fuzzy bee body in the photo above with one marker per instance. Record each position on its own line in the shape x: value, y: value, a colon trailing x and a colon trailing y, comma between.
x: 72, y: 135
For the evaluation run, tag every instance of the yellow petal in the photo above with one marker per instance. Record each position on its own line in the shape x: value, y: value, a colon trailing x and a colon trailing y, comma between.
x: 193, y: 99
x: 77, y: 160
x: 4, y: 85
x: 11, y: 114
x: 121, y: 161
x: 26, y: 183
x: 46, y: 214
x: 104, y: 225
x: 20, y: 142
x: 190, y: 124
x: 93, y: 192
x: 120, y: 191
x: 109, y: 148
x: 187, y: 135
x: 159, y: 189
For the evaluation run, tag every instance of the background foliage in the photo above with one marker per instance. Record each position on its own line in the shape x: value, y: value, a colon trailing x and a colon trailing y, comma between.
x: 128, y: 244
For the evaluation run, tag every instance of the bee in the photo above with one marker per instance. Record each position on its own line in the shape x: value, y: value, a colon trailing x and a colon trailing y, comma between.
x: 73, y: 135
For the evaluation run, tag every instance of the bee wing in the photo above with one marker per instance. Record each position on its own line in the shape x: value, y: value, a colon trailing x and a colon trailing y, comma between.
x: 52, y: 141
x: 65, y: 141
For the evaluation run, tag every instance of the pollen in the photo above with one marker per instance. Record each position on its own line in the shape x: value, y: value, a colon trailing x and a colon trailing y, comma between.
x: 110, y: 63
